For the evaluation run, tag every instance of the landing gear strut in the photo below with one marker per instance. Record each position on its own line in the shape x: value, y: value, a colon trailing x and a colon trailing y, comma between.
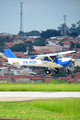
x: 56, y: 70
x: 66, y: 71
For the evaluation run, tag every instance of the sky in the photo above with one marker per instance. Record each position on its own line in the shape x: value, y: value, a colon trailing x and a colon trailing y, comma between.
x: 37, y: 14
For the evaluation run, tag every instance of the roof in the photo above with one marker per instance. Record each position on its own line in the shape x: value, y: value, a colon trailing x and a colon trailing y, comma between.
x: 68, y: 77
x: 62, y: 78
x: 3, y: 67
x: 47, y: 79
x: 78, y: 49
x: 17, y: 36
x: 46, y: 50
x: 15, y: 77
x: 21, y: 55
x: 77, y: 54
x: 3, y: 76
x: 77, y: 73
x: 21, y: 76
x: 5, y: 79
x: 29, y: 76
x: 53, y: 41
x: 78, y: 41
x: 36, y: 78
x: 68, y: 42
x: 16, y: 52
x: 69, y: 54
x: 20, y: 69
x: 37, y: 51
x: 71, y: 80
x: 77, y: 76
x: 3, y: 59
x: 9, y: 43
x: 29, y: 40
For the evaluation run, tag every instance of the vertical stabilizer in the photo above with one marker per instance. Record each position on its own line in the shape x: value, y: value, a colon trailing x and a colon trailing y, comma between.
x: 9, y: 53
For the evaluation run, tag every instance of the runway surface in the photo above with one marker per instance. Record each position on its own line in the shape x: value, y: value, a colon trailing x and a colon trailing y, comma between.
x: 24, y: 96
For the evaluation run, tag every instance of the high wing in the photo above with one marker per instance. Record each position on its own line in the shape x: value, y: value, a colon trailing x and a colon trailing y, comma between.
x: 55, y: 54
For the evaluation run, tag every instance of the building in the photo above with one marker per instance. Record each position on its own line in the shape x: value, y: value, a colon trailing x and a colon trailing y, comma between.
x: 54, y: 48
x: 3, y: 70
x: 50, y: 47
x: 20, y: 79
x: 9, y: 44
x: 45, y: 51
x: 20, y: 71
x: 4, y: 79
x: 77, y: 78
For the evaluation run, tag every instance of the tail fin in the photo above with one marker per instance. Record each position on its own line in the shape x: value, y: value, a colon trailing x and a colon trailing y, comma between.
x: 9, y: 53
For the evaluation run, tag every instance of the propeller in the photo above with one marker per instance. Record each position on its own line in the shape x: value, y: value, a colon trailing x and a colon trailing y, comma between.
x: 72, y: 66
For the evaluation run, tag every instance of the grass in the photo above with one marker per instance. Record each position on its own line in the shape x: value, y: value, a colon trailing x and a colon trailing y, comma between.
x: 53, y: 109
x: 54, y: 86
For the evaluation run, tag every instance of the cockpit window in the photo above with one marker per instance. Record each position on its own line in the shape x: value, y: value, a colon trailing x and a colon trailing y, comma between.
x: 59, y: 56
x: 52, y: 57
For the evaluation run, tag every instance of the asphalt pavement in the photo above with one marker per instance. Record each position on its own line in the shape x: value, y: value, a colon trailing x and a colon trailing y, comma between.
x: 27, y: 96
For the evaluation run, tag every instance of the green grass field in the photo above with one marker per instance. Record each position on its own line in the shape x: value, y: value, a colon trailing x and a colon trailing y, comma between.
x: 53, y: 109
x: 40, y: 87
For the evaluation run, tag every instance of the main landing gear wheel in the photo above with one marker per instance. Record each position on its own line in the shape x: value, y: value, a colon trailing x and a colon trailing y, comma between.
x: 67, y: 71
x: 47, y: 71
x: 56, y: 70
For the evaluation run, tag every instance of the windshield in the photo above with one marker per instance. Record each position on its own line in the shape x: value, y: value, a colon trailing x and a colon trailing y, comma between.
x: 59, y: 56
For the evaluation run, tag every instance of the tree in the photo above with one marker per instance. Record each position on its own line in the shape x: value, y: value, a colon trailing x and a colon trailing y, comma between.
x: 61, y: 29
x: 78, y: 27
x: 32, y: 33
x: 78, y: 45
x: 21, y: 33
x: 40, y: 42
x: 50, y: 33
x: 74, y: 34
x: 30, y: 48
x: 72, y: 45
x: 2, y: 42
x: 19, y: 47
x: 73, y: 28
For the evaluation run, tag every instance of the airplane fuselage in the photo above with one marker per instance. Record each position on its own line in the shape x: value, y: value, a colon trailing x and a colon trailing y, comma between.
x: 62, y: 62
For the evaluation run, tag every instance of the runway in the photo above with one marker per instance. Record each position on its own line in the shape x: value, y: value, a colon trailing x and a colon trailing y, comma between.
x: 24, y: 96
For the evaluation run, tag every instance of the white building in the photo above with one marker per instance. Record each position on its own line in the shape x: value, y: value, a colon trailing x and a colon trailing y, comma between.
x: 22, y: 71
x: 3, y: 70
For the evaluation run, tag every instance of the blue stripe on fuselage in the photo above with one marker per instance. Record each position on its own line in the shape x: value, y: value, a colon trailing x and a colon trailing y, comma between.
x: 65, y: 63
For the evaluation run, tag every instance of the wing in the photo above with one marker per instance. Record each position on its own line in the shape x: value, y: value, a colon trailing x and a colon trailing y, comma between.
x: 55, y: 54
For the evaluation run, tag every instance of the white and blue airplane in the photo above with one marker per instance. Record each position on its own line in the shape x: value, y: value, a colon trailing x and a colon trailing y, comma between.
x: 51, y: 61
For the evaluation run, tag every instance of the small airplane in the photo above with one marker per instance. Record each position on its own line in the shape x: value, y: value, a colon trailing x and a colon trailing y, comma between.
x: 51, y: 61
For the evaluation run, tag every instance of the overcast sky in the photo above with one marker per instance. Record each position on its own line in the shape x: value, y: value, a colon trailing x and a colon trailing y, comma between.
x: 37, y: 14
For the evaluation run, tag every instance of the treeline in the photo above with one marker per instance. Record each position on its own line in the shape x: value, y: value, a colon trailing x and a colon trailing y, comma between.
x: 31, y: 33
x: 2, y: 42
x: 74, y: 30
x: 74, y: 45
x: 44, y: 34
x: 50, y: 33
x: 23, y: 47
x: 29, y: 45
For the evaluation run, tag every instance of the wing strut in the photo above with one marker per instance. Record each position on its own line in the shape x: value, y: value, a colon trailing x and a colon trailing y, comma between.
x: 50, y: 58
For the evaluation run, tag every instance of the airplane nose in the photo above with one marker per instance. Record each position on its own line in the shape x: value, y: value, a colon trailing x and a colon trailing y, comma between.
x: 66, y: 59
